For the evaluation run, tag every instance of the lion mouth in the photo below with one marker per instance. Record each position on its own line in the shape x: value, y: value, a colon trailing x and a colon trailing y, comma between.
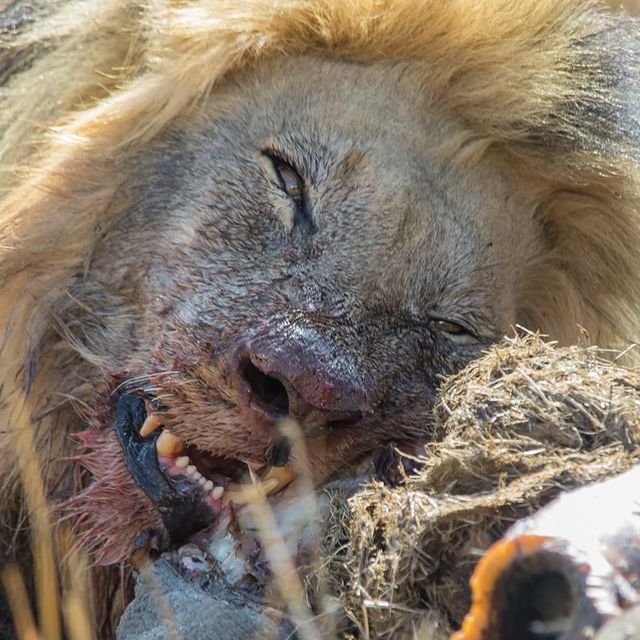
x: 188, y: 486
x: 241, y: 482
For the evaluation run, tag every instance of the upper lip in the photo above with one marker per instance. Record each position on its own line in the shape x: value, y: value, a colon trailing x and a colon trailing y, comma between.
x: 181, y: 512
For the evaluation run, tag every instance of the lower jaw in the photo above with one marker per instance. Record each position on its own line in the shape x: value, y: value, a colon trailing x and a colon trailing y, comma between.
x: 215, y: 488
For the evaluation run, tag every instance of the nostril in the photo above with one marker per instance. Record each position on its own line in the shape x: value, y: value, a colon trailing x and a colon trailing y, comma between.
x: 269, y: 391
x: 350, y: 420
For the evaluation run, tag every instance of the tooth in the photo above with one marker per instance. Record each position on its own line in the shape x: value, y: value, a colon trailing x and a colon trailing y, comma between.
x: 201, y: 480
x: 191, y: 469
x: 183, y: 462
x: 217, y: 492
x: 269, y: 486
x: 167, y: 444
x: 284, y: 476
x: 208, y: 485
x: 151, y: 423
x: 249, y: 493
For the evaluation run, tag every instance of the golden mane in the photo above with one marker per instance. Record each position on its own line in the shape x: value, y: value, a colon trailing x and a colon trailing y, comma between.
x: 546, y: 84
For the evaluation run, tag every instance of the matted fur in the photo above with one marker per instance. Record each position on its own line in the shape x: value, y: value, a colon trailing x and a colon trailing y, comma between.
x: 544, y: 85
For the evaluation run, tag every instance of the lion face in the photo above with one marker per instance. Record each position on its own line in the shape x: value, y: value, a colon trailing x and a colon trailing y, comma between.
x: 308, y: 250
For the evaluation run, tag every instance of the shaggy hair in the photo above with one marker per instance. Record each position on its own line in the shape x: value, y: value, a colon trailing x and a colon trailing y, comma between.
x: 548, y: 86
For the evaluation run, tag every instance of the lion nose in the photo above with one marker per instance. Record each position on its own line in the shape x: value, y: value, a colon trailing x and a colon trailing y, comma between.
x: 266, y: 390
x: 301, y: 374
x: 282, y: 385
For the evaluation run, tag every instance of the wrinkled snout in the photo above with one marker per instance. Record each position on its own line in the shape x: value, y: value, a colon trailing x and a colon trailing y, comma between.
x: 300, y: 368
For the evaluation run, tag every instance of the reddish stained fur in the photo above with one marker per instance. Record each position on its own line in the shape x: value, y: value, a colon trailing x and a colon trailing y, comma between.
x: 109, y: 514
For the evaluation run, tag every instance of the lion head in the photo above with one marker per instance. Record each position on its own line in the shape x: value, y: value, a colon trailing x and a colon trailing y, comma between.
x: 225, y: 220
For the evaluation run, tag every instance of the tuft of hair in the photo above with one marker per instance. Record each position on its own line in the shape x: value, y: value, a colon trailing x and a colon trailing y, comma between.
x: 552, y: 87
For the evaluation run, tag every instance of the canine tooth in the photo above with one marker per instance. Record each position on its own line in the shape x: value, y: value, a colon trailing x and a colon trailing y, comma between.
x: 284, y: 476
x: 270, y: 485
x: 151, y: 423
x: 167, y: 444
x: 217, y: 492
x: 250, y: 493
x: 182, y: 462
x: 208, y: 485
x: 191, y: 469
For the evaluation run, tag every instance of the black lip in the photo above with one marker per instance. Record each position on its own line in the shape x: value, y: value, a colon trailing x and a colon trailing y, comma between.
x: 181, y: 508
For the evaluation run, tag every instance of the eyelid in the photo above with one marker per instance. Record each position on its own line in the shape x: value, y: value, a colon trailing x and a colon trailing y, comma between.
x: 450, y: 326
x: 466, y: 334
x: 291, y: 181
x: 293, y: 184
x: 280, y: 160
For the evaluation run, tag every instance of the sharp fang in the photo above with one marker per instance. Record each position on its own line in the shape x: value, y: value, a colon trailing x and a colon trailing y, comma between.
x: 167, y: 444
x: 151, y: 423
x: 183, y: 462
x: 250, y: 493
x: 217, y: 493
x: 284, y: 476
x: 208, y: 485
x: 269, y: 486
x: 191, y: 469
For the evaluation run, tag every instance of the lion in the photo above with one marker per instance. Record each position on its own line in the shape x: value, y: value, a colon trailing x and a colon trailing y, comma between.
x: 220, y: 219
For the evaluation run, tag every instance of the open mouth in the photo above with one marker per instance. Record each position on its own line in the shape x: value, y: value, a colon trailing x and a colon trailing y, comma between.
x: 189, y: 486
x: 242, y: 482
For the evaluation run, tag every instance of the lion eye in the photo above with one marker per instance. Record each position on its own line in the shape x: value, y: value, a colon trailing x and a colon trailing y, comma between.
x: 294, y: 186
x: 450, y: 327
x: 290, y: 181
x: 457, y: 332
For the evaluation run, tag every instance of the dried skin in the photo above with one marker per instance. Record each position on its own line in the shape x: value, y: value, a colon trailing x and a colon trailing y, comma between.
x: 513, y: 430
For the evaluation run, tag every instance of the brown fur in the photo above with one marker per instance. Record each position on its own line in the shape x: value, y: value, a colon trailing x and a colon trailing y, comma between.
x: 537, y: 101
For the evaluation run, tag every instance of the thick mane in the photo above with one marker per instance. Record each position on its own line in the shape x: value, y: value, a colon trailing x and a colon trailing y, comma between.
x: 89, y: 84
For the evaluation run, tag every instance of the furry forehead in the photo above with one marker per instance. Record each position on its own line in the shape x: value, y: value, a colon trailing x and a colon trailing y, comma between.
x: 550, y: 82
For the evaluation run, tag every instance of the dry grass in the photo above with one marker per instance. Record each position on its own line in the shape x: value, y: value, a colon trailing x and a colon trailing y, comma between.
x: 59, y: 568
x: 512, y: 430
